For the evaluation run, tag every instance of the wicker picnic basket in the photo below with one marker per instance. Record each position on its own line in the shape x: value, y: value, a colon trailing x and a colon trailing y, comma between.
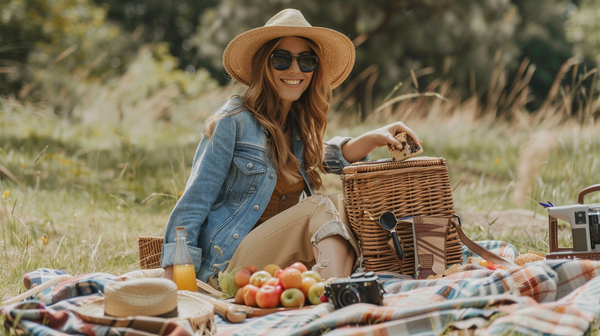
x: 414, y: 187
x: 150, y: 251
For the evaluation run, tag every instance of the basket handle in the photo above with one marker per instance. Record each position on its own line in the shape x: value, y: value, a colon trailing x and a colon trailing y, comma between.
x: 588, y: 190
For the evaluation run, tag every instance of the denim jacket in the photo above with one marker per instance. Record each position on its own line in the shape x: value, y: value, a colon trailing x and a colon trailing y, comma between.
x: 230, y: 186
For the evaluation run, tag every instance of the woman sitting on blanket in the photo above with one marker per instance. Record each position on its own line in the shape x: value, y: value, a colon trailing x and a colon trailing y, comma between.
x: 250, y: 197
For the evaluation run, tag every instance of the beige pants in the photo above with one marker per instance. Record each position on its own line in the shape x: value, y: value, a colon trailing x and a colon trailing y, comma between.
x: 290, y: 235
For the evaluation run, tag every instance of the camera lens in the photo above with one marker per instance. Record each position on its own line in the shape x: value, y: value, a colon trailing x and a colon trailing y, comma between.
x: 351, y: 295
x: 594, y: 228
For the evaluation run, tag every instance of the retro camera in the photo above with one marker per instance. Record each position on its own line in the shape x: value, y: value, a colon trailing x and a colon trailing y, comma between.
x: 358, y: 288
x: 585, y: 224
x: 585, y: 228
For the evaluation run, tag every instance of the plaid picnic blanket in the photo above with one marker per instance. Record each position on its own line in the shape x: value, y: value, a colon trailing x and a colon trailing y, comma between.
x: 549, y: 297
x: 51, y: 311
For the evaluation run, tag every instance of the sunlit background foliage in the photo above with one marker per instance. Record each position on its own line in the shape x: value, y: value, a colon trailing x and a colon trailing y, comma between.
x: 462, y: 42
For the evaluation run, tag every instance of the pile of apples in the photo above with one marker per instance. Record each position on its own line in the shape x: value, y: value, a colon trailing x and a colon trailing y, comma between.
x: 273, y: 286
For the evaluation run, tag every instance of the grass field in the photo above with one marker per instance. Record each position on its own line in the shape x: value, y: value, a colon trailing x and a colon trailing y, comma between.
x: 77, y: 189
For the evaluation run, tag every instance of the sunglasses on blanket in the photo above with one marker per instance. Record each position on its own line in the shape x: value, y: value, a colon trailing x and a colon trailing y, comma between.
x: 282, y: 61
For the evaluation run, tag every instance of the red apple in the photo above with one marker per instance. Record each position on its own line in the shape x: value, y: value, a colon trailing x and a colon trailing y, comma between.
x: 292, y: 297
x: 272, y: 282
x: 280, y: 287
x: 313, y: 274
x: 277, y: 283
x: 251, y: 268
x: 250, y: 295
x: 299, y: 266
x: 267, y: 297
x: 242, y: 277
x: 291, y: 278
x: 239, y: 296
x: 315, y: 292
x: 259, y: 278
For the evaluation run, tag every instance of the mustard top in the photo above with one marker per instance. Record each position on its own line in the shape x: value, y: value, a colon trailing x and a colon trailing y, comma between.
x: 285, y: 195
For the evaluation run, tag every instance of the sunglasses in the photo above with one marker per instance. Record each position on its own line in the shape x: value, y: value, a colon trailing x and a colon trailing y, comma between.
x: 282, y: 61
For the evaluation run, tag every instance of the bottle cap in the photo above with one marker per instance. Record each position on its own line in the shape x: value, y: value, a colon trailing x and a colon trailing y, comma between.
x: 182, y: 230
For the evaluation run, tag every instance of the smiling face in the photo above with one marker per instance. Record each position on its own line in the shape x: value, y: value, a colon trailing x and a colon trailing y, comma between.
x: 292, y: 82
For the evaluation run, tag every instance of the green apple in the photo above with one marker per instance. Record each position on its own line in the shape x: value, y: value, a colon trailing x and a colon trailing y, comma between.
x: 260, y: 278
x: 313, y: 274
x: 292, y: 297
x: 315, y: 291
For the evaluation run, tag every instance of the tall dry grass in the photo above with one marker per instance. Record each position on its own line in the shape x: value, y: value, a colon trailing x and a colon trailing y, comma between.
x: 497, y: 135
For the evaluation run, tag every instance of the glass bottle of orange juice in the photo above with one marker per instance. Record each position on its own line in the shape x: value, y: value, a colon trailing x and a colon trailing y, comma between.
x: 184, y: 274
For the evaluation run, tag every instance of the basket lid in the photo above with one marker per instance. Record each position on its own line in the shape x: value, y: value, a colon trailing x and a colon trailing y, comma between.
x: 388, y: 164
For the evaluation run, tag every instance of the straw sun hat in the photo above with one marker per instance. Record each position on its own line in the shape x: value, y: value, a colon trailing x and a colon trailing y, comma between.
x: 125, y: 301
x: 337, y: 51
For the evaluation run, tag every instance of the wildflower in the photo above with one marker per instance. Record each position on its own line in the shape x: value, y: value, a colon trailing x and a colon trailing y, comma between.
x: 44, y: 239
x: 6, y: 194
x: 497, y: 161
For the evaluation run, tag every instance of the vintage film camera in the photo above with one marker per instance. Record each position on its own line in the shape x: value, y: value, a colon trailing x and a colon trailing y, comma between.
x: 585, y: 227
x: 358, y: 288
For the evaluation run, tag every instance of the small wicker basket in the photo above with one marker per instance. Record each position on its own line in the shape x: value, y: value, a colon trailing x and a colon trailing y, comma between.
x: 150, y: 251
x: 414, y: 187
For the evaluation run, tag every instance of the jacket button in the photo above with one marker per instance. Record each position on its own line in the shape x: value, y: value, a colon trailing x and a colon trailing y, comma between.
x: 236, y: 236
x: 249, y: 165
x: 256, y: 207
x: 284, y: 197
x: 272, y: 175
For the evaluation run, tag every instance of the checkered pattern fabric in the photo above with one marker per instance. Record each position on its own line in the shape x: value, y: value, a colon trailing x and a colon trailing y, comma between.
x: 549, y: 297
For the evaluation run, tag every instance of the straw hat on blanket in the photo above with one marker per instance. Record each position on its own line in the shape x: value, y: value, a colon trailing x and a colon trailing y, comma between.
x: 337, y: 50
x: 126, y: 301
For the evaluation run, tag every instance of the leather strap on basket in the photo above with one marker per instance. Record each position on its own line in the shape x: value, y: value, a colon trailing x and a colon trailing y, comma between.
x: 430, y: 244
x: 476, y: 248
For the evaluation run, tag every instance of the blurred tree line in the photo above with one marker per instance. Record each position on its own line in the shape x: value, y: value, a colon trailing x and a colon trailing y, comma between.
x: 479, y: 46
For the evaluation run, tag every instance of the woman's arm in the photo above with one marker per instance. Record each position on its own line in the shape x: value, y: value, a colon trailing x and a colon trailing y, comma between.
x: 210, y: 167
x: 361, y: 146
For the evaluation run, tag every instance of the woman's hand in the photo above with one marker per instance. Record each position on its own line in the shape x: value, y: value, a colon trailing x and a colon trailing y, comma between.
x: 168, y: 274
x: 385, y: 135
x: 358, y: 148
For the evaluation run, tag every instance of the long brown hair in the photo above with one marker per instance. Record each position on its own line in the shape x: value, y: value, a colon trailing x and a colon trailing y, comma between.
x: 309, y: 113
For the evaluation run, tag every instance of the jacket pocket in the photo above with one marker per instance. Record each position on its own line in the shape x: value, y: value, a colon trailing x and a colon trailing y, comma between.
x: 249, y: 172
x: 243, y: 177
x: 249, y: 166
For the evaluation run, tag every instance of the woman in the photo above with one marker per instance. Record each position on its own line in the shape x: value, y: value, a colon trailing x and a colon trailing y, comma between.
x: 263, y: 151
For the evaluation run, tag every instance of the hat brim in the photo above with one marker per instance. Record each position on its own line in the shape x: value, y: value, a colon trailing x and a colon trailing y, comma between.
x: 189, y: 307
x: 337, y: 51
